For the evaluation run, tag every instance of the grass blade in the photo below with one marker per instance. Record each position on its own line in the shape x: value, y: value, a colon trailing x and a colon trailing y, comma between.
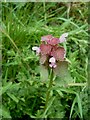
x: 72, y: 108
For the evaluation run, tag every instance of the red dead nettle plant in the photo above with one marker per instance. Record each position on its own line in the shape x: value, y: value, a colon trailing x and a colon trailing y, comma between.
x: 51, y: 54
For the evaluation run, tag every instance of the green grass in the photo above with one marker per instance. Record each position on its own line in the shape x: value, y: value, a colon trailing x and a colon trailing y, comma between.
x: 23, y: 91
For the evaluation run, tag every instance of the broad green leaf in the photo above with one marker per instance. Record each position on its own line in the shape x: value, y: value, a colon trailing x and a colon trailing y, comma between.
x: 5, y: 88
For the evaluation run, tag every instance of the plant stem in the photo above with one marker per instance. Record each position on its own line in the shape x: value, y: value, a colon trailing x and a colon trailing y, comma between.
x: 49, y: 87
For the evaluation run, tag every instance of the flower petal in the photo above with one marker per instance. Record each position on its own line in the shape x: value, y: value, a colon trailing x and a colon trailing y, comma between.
x: 37, y: 49
x: 53, y: 65
x: 52, y: 60
x: 63, y: 37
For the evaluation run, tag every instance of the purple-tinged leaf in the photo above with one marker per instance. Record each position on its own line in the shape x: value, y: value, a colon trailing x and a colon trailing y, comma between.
x: 58, y: 53
x: 43, y: 73
x: 63, y: 77
x: 61, y: 69
x: 43, y: 59
x: 54, y: 41
x: 45, y: 49
x: 46, y: 38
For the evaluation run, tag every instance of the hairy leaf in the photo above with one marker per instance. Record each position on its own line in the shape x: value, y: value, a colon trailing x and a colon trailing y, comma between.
x: 63, y: 76
x: 43, y: 73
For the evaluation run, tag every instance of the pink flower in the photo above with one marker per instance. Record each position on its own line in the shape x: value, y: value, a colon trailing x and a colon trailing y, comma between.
x: 50, y: 52
x: 63, y: 37
x: 53, y: 62
x: 37, y: 49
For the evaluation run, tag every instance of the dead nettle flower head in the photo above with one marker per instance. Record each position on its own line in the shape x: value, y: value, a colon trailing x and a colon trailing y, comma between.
x: 50, y: 51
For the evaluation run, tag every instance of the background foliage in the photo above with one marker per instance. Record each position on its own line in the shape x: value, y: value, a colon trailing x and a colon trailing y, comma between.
x: 23, y: 91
